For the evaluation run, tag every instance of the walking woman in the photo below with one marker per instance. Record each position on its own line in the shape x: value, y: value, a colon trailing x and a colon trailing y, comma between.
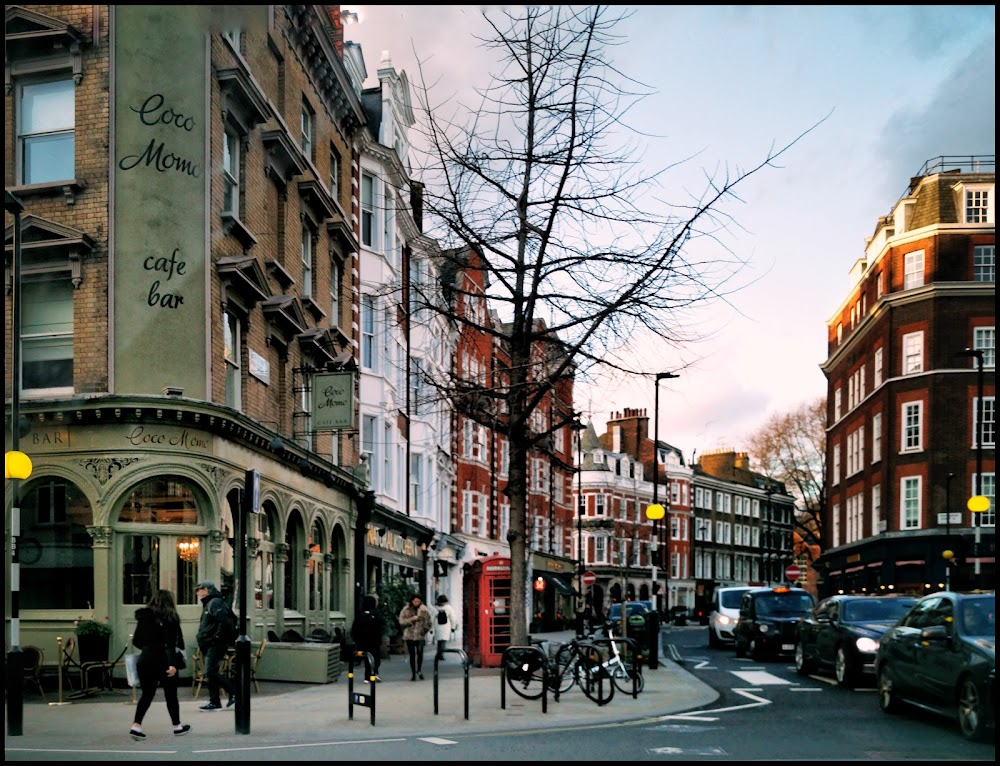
x: 158, y: 638
x: 415, y: 619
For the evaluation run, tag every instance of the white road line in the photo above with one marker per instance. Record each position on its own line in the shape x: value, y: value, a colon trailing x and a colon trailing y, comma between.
x: 301, y: 745
x: 760, y: 678
x: 438, y: 741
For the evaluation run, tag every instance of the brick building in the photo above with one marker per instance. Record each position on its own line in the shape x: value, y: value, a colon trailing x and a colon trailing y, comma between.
x: 903, y: 395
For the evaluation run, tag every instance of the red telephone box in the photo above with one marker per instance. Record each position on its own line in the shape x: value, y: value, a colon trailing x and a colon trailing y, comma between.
x: 487, y: 618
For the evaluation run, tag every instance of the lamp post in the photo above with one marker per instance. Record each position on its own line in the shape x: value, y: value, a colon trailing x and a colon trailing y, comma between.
x: 948, y: 554
x: 580, y: 605
x: 656, y: 486
x: 17, y: 467
x: 978, y: 503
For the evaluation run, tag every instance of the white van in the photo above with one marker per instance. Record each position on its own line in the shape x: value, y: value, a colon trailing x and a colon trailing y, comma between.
x: 724, y: 614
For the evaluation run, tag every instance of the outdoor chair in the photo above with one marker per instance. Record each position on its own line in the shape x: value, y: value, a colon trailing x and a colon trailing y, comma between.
x: 33, y: 658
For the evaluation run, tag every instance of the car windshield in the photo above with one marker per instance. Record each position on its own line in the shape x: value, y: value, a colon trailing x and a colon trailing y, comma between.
x: 977, y: 615
x: 876, y: 609
x: 784, y: 603
x: 730, y: 599
x: 632, y: 608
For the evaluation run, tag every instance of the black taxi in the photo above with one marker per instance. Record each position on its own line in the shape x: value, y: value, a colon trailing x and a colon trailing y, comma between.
x: 769, y: 620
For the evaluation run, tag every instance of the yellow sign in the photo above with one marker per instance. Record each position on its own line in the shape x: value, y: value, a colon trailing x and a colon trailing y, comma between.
x: 655, y: 512
x: 978, y: 504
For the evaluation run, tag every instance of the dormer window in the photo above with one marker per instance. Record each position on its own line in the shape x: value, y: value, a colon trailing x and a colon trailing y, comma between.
x: 978, y: 204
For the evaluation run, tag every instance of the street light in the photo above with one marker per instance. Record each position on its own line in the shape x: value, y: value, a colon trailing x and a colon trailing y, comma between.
x: 17, y: 468
x: 656, y: 494
x: 578, y: 428
x: 767, y: 536
x: 978, y: 503
x: 948, y: 554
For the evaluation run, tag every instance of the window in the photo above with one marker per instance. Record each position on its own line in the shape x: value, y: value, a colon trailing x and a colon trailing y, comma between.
x: 878, y: 367
x: 909, y: 499
x: 984, y: 263
x: 46, y: 131
x: 368, y: 424
x: 334, y: 292
x: 47, y: 335
x: 989, y: 421
x: 307, y: 261
x: 985, y: 340
x: 416, y: 481
x: 913, y: 269
x: 977, y: 205
x: 911, y: 426
x: 913, y: 352
x: 368, y: 359
x: 989, y: 489
x: 232, y: 353
x: 307, y: 125
x: 876, y: 437
x: 836, y: 403
x: 877, y: 508
x: 334, y: 173
x: 368, y: 210
x: 231, y: 173
x: 835, y: 479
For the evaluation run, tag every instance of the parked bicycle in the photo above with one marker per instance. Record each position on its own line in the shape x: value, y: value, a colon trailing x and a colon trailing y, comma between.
x: 622, y: 664
x: 578, y: 662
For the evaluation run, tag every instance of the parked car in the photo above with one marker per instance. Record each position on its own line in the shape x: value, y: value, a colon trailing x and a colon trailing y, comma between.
x: 842, y: 634
x: 724, y: 614
x: 941, y: 656
x: 636, y: 611
x: 768, y: 622
x: 679, y: 615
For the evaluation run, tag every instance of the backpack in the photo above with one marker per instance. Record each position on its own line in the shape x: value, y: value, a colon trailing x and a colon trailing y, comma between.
x: 442, y: 617
x: 227, y: 623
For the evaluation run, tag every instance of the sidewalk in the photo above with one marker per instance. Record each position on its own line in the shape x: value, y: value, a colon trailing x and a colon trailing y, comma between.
x: 308, y: 712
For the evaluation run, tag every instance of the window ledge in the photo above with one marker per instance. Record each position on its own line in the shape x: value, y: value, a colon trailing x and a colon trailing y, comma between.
x: 70, y: 188
x: 313, y: 307
x: 232, y: 225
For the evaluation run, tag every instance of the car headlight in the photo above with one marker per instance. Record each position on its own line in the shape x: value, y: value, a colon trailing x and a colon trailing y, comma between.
x: 867, y: 645
x: 723, y: 620
x: 763, y: 628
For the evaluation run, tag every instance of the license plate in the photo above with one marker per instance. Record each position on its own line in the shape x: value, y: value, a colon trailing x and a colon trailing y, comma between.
x: 788, y: 647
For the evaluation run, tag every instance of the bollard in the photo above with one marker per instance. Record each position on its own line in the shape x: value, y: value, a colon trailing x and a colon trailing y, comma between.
x: 465, y: 667
x: 364, y: 700
x: 59, y: 648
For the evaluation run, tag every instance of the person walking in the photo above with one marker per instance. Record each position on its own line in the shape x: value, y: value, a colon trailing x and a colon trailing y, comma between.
x: 415, y: 619
x: 445, y: 623
x: 158, y: 638
x: 367, y: 632
x: 215, y: 633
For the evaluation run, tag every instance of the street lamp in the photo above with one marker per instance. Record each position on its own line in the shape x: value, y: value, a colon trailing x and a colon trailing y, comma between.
x: 948, y: 554
x: 978, y: 503
x: 656, y: 494
x: 578, y: 428
x: 767, y: 536
x: 17, y: 468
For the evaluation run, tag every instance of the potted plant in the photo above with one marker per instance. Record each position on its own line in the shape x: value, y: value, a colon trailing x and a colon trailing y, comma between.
x: 393, y: 594
x: 93, y: 638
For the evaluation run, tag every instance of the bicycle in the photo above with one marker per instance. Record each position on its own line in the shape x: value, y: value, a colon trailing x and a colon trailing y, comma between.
x: 575, y: 662
x: 621, y: 664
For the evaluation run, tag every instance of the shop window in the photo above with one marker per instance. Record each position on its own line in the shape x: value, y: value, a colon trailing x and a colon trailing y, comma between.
x: 57, y: 554
x: 264, y: 586
x: 315, y: 548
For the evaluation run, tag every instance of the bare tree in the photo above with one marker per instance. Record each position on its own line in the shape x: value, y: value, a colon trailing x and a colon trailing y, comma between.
x: 791, y: 447
x: 544, y: 181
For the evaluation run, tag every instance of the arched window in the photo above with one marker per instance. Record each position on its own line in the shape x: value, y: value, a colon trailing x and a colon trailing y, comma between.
x: 264, y: 587
x: 57, y: 553
x: 315, y: 546
x: 155, y: 551
x: 295, y: 540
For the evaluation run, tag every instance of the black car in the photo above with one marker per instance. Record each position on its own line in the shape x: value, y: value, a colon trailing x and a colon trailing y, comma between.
x: 842, y: 634
x: 769, y: 621
x: 941, y: 656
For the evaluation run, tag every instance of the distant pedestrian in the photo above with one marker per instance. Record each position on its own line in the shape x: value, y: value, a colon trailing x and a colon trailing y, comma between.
x: 367, y: 632
x: 445, y: 623
x: 215, y: 633
x: 415, y: 619
x: 158, y: 638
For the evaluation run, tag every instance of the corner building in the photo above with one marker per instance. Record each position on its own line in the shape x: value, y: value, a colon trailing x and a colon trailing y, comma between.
x: 189, y: 297
x: 903, y: 394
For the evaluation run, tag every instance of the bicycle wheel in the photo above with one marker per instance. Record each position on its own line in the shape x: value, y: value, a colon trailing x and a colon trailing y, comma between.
x: 524, y: 674
x: 621, y: 676
x: 594, y: 678
x: 563, y: 670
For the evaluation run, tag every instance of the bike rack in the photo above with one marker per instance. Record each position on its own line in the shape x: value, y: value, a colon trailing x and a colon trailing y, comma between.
x: 545, y: 675
x: 465, y: 668
x: 636, y: 653
x: 367, y: 700
x: 591, y: 646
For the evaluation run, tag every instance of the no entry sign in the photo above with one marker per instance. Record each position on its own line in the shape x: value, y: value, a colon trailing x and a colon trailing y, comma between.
x: 793, y: 572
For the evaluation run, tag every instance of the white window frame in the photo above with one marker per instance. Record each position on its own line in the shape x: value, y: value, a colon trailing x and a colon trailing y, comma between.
x: 369, y: 332
x: 306, y: 251
x: 988, y: 487
x: 876, y: 437
x: 232, y: 355
x: 984, y: 263
x: 985, y: 339
x: 911, y: 422
x: 878, y: 366
x: 978, y: 203
x: 334, y: 173
x: 989, y: 421
x: 913, y: 270
x: 910, y: 502
x: 231, y: 149
x: 66, y: 129
x: 913, y: 352
x: 307, y: 126
x: 51, y: 334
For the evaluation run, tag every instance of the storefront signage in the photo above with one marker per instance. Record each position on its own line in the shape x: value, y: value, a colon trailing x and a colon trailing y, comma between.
x: 390, y: 541
x: 333, y: 401
x: 42, y: 439
x: 169, y: 438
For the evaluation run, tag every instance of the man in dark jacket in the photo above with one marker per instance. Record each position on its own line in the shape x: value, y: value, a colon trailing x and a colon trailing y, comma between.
x: 367, y: 633
x: 214, y: 637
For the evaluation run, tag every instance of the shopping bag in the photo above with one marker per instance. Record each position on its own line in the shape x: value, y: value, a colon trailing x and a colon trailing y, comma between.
x: 132, y: 669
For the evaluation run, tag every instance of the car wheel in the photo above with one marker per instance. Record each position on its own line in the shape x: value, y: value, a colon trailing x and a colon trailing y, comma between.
x: 802, y: 665
x: 754, y: 650
x: 971, y: 718
x: 888, y: 700
x: 843, y: 668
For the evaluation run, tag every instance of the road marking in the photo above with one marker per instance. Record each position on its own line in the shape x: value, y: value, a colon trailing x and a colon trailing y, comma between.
x: 438, y: 741
x: 805, y: 689
x: 687, y: 751
x: 301, y: 745
x: 688, y: 717
x: 703, y: 665
x: 760, y: 678
x: 756, y: 702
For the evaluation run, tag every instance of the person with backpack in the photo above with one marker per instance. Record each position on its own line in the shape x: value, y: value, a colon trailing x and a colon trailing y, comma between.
x: 445, y: 623
x: 367, y: 632
x: 216, y: 633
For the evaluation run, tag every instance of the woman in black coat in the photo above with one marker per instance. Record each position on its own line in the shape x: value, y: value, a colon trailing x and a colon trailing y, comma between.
x: 158, y: 637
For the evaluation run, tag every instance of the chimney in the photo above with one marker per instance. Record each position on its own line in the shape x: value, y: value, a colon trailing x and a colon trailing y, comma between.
x: 336, y: 27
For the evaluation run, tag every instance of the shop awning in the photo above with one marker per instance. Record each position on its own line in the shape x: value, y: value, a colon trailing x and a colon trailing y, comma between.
x: 558, y: 582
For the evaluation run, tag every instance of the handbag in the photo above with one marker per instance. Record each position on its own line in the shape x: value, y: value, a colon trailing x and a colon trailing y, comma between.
x: 132, y: 669
x: 180, y: 661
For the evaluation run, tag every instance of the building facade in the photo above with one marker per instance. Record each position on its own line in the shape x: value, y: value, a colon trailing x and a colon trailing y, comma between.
x: 906, y: 399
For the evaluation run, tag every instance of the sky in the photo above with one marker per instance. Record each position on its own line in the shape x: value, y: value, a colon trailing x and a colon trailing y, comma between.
x: 890, y: 86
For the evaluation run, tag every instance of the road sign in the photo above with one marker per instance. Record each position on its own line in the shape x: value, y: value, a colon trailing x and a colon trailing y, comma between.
x: 793, y: 572
x: 588, y: 579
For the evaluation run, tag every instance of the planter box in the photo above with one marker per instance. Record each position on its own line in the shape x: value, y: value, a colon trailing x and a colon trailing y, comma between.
x: 306, y: 662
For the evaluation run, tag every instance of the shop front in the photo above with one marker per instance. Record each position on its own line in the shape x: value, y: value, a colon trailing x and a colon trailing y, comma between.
x: 553, y: 593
